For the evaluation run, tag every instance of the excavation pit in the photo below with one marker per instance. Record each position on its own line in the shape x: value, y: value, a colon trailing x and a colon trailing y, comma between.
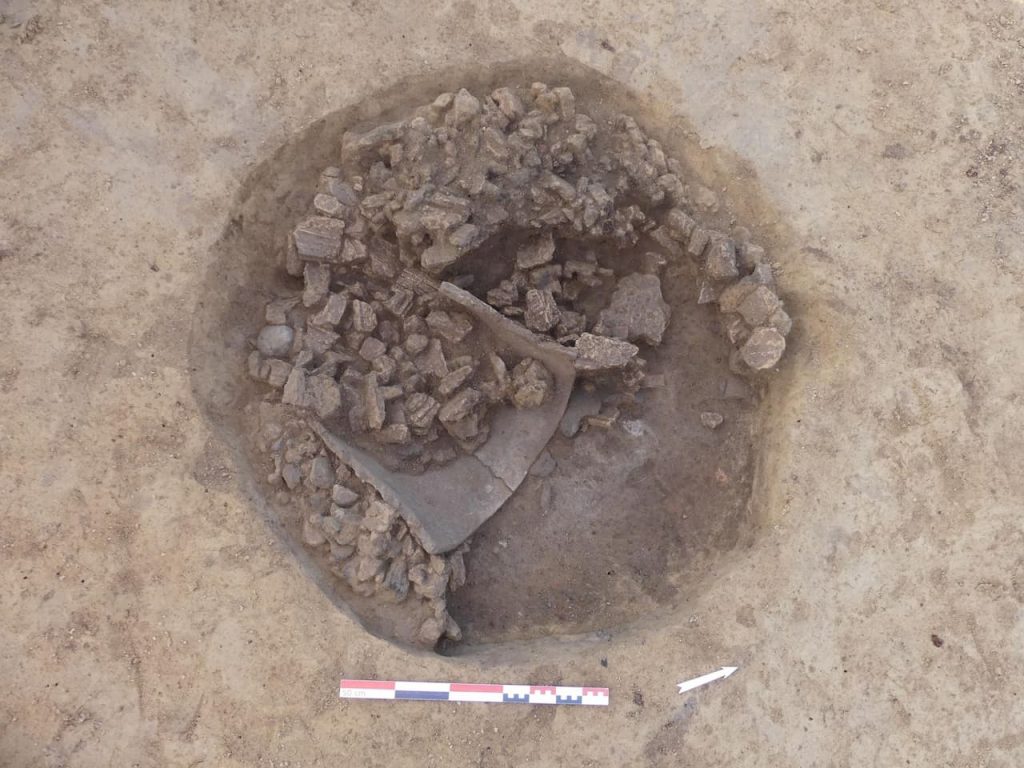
x: 377, y: 410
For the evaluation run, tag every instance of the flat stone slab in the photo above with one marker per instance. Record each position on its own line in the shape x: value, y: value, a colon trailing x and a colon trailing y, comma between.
x: 447, y: 504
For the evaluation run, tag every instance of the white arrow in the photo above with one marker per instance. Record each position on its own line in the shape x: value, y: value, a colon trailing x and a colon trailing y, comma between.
x: 697, y: 682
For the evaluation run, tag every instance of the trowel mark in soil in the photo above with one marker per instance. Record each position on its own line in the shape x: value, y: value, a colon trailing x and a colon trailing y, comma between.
x: 459, y: 270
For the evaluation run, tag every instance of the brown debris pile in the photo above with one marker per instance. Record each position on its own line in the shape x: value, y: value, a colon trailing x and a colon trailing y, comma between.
x: 519, y: 198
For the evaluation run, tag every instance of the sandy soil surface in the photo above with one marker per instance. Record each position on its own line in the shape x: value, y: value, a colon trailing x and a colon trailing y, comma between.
x: 872, y: 596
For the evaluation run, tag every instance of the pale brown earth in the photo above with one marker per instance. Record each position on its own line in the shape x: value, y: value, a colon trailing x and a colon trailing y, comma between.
x: 870, y: 594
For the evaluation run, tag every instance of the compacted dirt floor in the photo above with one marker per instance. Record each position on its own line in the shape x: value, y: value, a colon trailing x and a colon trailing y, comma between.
x: 851, y: 539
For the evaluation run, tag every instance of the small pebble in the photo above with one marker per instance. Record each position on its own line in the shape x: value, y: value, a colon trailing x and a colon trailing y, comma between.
x: 711, y: 420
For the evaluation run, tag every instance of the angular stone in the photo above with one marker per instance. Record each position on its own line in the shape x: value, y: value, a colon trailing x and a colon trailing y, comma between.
x: 459, y: 406
x: 399, y: 301
x: 278, y: 373
x: 599, y: 353
x: 679, y: 225
x: 454, y: 380
x: 318, y: 282
x: 420, y: 410
x: 397, y: 578
x: 438, y: 257
x: 720, y: 261
x: 542, y: 313
x: 505, y: 295
x: 333, y: 311
x: 758, y: 305
x: 763, y: 349
x: 318, y: 340
x: 699, y: 238
x: 278, y: 309
x: 379, y: 517
x: 344, y: 497
x: 364, y: 318
x: 532, y: 384
x: 353, y: 252
x: 732, y: 296
x: 372, y: 348
x: 416, y: 343
x: 451, y: 326
x: 637, y: 311
x: 275, y: 340
x: 374, y: 410
x: 324, y: 395
x: 465, y: 107
x: 509, y: 103
x: 321, y: 473
x: 319, y: 238
x: 295, y: 388
x: 779, y: 320
x: 394, y: 434
x: 328, y: 205
x: 432, y: 363
x: 536, y: 252
x: 312, y: 535
x: 465, y: 237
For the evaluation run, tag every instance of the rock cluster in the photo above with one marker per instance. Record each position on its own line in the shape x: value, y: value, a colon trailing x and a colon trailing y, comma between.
x: 365, y: 542
x: 563, y: 224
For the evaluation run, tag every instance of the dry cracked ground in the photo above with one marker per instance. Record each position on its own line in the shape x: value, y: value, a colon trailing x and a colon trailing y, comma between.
x: 870, y: 596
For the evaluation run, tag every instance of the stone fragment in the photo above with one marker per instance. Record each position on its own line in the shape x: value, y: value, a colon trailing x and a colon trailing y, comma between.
x: 275, y: 340
x: 364, y: 318
x: 420, y: 410
x: 454, y: 380
x: 399, y: 301
x: 278, y: 374
x: 379, y: 517
x: 318, y: 340
x: 432, y: 363
x: 509, y: 103
x: 451, y: 326
x: 679, y: 225
x: 505, y: 295
x: 720, y: 261
x: 730, y: 298
x: 750, y: 256
x: 318, y: 283
x: 292, y: 476
x: 321, y: 473
x: 416, y: 343
x: 394, y: 434
x: 758, y: 305
x: 374, y: 409
x: 343, y: 496
x: 312, y: 535
x: 333, y: 311
x: 711, y: 419
x: 370, y: 568
x: 465, y: 107
x: 699, y: 238
x: 763, y: 349
x: 460, y: 406
x: 706, y: 293
x: 536, y: 252
x: 295, y: 388
x: 319, y: 238
x: 532, y: 384
x: 465, y: 237
x: 542, y: 313
x: 324, y: 395
x: 637, y: 311
x: 438, y: 257
x: 596, y: 353
x: 328, y: 205
x: 278, y: 309
x: 397, y: 578
x: 372, y: 348
x: 353, y: 252
x: 430, y: 631
x: 779, y: 320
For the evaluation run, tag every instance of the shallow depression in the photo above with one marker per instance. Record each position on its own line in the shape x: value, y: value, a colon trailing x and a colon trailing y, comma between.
x: 622, y: 523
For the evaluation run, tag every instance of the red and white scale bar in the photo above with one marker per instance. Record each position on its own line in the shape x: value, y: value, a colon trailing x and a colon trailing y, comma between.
x: 476, y: 692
